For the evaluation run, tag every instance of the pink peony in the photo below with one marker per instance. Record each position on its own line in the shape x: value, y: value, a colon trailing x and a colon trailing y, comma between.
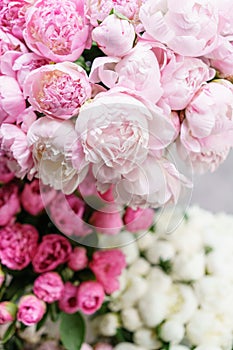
x: 5, y: 174
x: 57, y: 29
x: 69, y: 299
x: 13, y: 142
x: 182, y: 25
x: 9, y: 203
x: 9, y: 42
x: 107, y: 220
x: 18, y: 245
x: 52, y: 142
x: 32, y: 200
x: 114, y: 36
x: 138, y: 219
x: 107, y: 266
x: 90, y: 297
x: 7, y: 312
x: 58, y: 90
x: 78, y: 259
x: 207, y: 131
x: 48, y: 287
x: 12, y: 102
x: 86, y: 347
x: 30, y: 310
x: 53, y: 251
x: 67, y: 213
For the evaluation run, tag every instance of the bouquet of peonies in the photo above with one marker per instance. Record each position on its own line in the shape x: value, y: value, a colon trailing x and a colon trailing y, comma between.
x: 102, y: 103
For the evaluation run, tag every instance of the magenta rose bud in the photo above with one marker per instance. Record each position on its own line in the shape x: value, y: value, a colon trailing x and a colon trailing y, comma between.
x: 69, y: 299
x: 138, y: 219
x: 53, y: 251
x: 78, y: 259
x: 7, y: 312
x: 108, y: 221
x: 48, y: 287
x: 9, y: 203
x: 107, y: 266
x: 58, y: 90
x: 30, y: 310
x: 90, y: 297
x: 18, y: 245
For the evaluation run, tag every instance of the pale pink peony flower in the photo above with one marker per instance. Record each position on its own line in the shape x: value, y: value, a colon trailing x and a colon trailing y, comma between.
x: 138, y: 219
x: 90, y: 297
x: 30, y: 310
x: 14, y: 144
x: 67, y: 213
x: 69, y: 299
x: 7, y: 312
x: 53, y: 251
x: 26, y: 118
x: 57, y: 90
x: 114, y: 36
x: 12, y: 101
x: 5, y: 174
x: 207, y: 130
x: 48, y: 287
x: 9, y: 203
x: 9, y: 42
x: 57, y: 29
x: 32, y: 200
x: 107, y: 220
x: 98, y: 10
x: 182, y: 25
x: 107, y: 266
x: 18, y: 245
x: 52, y: 142
x: 86, y: 347
x: 78, y: 259
x: 138, y: 71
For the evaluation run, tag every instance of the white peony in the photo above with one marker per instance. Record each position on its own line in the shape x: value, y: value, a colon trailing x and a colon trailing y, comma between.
x: 136, y: 288
x: 172, y: 331
x: 140, y: 267
x: 189, y: 267
x: 148, y: 338
x: 128, y: 346
x: 131, y: 319
x: 160, y: 250
x: 108, y: 324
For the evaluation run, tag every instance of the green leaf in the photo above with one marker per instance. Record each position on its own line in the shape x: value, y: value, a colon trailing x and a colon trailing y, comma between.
x: 9, y: 333
x: 72, y: 331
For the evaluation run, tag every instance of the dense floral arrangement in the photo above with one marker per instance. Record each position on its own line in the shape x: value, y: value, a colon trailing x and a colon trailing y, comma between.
x: 96, y: 97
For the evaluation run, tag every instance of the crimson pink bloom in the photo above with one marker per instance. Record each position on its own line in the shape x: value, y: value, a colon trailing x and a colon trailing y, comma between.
x: 18, y: 245
x: 52, y: 251
x: 9, y: 203
x: 78, y: 259
x: 7, y: 312
x: 107, y: 266
x: 30, y: 310
x: 58, y: 90
x: 69, y: 299
x: 90, y: 297
x: 66, y: 20
x: 108, y: 221
x: 138, y: 219
x: 48, y: 287
x: 32, y: 200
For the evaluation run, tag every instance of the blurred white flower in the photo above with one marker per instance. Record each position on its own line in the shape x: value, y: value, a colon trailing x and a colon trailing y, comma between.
x: 148, y: 338
x: 172, y: 331
x: 131, y: 319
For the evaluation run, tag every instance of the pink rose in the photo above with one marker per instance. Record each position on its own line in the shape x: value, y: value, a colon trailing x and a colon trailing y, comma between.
x: 30, y: 310
x: 138, y: 71
x: 12, y: 101
x: 14, y: 143
x: 107, y: 220
x: 114, y: 36
x: 9, y: 203
x: 66, y: 20
x: 107, y: 266
x: 67, y: 213
x: 182, y: 26
x: 69, y: 299
x: 207, y: 130
x: 138, y: 219
x: 32, y: 200
x: 51, y: 142
x: 78, y: 259
x: 53, y: 251
x: 90, y: 297
x: 48, y: 287
x: 7, y: 312
x: 5, y: 174
x: 58, y: 90
x: 18, y: 245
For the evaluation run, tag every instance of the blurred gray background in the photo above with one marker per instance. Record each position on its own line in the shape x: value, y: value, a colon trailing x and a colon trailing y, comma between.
x: 214, y: 191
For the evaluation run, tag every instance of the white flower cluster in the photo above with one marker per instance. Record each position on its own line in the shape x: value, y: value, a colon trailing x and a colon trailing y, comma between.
x: 177, y: 289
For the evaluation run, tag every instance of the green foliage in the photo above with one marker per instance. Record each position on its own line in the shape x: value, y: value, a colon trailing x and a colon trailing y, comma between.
x: 72, y: 331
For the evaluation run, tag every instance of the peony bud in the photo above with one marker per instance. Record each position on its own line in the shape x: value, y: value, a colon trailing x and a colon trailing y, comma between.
x: 7, y: 312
